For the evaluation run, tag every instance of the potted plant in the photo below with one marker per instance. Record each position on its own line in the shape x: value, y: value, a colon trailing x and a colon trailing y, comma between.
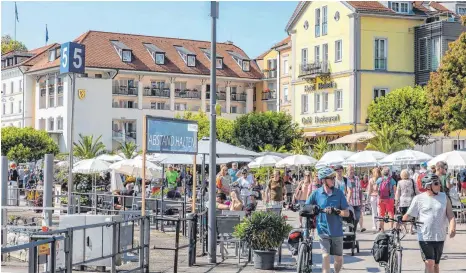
x: 264, y: 232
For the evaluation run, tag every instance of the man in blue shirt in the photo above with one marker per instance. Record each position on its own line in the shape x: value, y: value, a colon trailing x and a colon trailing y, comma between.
x: 233, y: 172
x: 329, y: 223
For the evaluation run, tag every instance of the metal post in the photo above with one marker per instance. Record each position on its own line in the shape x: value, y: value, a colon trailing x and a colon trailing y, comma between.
x: 144, y: 150
x: 114, y: 248
x: 213, y: 141
x: 177, y: 245
x: 146, y: 243
x: 69, y: 250
x: 53, y: 255
x: 191, y: 238
x: 48, y: 190
x: 70, y: 144
x: 141, y: 243
x: 33, y: 259
x: 203, y: 186
x: 194, y: 189
x: 161, y: 202
x: 4, y: 202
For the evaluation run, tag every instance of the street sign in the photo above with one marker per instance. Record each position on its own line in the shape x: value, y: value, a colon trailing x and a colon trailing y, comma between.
x: 175, y: 136
x: 73, y: 58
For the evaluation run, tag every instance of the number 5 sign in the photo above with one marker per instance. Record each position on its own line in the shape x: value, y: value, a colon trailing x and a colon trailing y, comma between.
x: 72, y: 58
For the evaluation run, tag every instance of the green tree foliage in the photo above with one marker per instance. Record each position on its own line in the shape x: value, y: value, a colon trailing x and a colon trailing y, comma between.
x: 128, y: 149
x: 271, y: 148
x: 446, y: 90
x: 87, y: 147
x: 321, y: 146
x: 9, y: 44
x: 389, y: 139
x: 406, y: 109
x: 225, y: 127
x: 299, y: 147
x: 255, y: 130
x: 26, y: 144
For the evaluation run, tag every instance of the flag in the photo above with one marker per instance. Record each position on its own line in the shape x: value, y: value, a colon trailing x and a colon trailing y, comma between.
x: 16, y: 13
x: 46, y: 34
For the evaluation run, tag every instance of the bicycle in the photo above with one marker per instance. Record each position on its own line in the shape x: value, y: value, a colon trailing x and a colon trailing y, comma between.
x: 304, y: 261
x: 395, y: 250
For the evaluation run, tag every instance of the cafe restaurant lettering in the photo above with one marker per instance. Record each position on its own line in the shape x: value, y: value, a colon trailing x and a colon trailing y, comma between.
x: 319, y: 86
x: 330, y: 119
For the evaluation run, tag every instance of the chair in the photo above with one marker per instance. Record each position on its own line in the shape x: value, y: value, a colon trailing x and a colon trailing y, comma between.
x: 241, y: 214
x: 458, y: 208
x: 225, y: 228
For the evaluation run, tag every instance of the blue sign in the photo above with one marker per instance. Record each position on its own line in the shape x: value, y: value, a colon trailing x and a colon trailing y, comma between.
x: 72, y: 58
x: 175, y: 136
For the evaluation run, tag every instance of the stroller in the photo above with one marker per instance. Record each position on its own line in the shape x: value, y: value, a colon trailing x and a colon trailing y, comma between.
x: 349, y: 232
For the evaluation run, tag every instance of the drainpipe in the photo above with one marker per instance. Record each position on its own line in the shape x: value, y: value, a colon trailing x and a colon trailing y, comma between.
x: 357, y: 60
x: 278, y: 81
x: 23, y: 110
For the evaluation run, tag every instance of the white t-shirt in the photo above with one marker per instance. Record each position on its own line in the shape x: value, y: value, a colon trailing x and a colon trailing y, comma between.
x: 245, y: 185
x: 432, y: 211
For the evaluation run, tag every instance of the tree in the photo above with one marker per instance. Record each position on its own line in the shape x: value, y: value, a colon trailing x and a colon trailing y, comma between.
x: 255, y: 130
x: 9, y: 44
x: 299, y: 147
x: 321, y: 146
x: 446, y: 90
x: 87, y: 148
x: 26, y: 144
x: 128, y: 149
x: 407, y: 109
x: 389, y: 139
x: 225, y: 127
x: 271, y: 148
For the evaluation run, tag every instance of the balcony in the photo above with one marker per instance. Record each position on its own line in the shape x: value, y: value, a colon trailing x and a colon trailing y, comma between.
x: 239, y: 97
x: 125, y: 104
x: 51, y: 88
x: 187, y: 94
x: 157, y: 92
x: 157, y: 106
x: 270, y: 74
x: 312, y: 70
x: 220, y: 95
x: 124, y: 137
x: 270, y: 95
x: 60, y: 87
x: 380, y: 64
x: 125, y: 90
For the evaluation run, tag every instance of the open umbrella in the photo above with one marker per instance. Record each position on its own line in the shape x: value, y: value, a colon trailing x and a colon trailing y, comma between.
x: 364, y: 159
x: 90, y: 166
x: 405, y: 157
x: 333, y: 158
x: 264, y: 161
x: 110, y: 158
x: 133, y: 167
x: 115, y: 182
x: 223, y: 149
x: 296, y: 160
x: 454, y: 159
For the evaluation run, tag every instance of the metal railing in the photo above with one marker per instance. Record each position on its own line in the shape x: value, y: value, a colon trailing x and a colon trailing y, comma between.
x: 270, y: 74
x: 271, y: 95
x: 188, y: 94
x: 157, y: 92
x: 125, y: 90
x: 314, y: 69
x: 239, y: 96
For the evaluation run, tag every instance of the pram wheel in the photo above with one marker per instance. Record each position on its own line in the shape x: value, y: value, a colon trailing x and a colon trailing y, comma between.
x: 357, y: 246
x: 352, y: 248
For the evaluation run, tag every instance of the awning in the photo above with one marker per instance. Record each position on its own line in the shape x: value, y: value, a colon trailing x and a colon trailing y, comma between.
x: 353, y: 138
x: 322, y: 133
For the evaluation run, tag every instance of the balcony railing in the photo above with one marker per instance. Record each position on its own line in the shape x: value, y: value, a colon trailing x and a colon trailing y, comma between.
x: 220, y: 95
x: 159, y: 107
x: 125, y: 90
x: 271, y: 74
x: 134, y: 105
x: 239, y: 97
x: 314, y: 69
x: 60, y: 87
x: 51, y: 87
x: 187, y: 94
x: 157, y: 92
x: 381, y: 63
x: 271, y: 95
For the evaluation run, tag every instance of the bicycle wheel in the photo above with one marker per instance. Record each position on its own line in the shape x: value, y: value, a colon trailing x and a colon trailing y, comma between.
x: 302, y: 259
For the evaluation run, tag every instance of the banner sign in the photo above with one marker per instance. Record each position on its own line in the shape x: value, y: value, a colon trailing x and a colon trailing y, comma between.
x: 175, y: 136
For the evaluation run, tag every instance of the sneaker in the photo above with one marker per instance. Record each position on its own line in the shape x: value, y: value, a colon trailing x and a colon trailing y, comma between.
x: 363, y: 229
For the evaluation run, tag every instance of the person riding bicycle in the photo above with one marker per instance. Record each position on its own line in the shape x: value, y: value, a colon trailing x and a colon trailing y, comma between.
x: 432, y: 208
x: 329, y: 224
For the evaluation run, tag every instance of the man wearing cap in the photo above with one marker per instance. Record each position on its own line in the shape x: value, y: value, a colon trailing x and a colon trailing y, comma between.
x: 172, y: 177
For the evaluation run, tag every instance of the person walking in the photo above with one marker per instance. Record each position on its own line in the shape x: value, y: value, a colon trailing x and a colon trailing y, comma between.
x: 223, y: 180
x: 340, y: 181
x: 354, y: 195
x: 275, y: 192
x: 301, y: 193
x: 434, y: 210
x: 441, y: 171
x: 405, y: 192
x: 386, y: 188
x: 329, y: 224
x: 245, y: 185
x: 419, y: 175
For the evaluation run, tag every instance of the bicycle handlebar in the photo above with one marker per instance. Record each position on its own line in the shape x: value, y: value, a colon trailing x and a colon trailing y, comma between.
x: 399, y: 220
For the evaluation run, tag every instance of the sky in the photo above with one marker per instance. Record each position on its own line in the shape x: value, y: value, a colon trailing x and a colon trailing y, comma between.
x: 253, y: 26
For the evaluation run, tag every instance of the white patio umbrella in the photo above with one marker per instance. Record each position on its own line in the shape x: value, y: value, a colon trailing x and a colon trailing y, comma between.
x: 454, y: 159
x: 365, y: 159
x: 90, y: 166
x: 110, y: 158
x: 133, y: 167
x: 296, y: 160
x: 115, y: 182
x: 405, y: 157
x: 333, y: 158
x: 264, y: 161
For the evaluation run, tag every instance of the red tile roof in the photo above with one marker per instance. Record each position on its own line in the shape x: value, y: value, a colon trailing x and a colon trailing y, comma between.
x: 439, y: 7
x: 261, y: 57
x: 100, y: 53
x: 372, y: 6
x: 283, y: 42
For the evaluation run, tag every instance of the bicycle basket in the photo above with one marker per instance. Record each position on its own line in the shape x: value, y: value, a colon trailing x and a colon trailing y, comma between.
x: 294, y: 237
x: 380, y: 247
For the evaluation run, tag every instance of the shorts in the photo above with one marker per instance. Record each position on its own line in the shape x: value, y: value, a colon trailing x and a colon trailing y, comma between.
x: 463, y: 185
x: 431, y: 250
x: 331, y: 245
x: 386, y: 206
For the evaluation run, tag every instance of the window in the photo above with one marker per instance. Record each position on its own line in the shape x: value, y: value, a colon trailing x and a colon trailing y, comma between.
x: 51, y: 124
x: 401, y: 7
x: 180, y: 86
x: 304, y: 103
x: 325, y: 56
x: 379, y: 92
x: 181, y: 107
x: 404, y: 7
x: 423, y: 54
x: 324, y: 20
x: 12, y: 85
x: 20, y: 107
x: 159, y: 58
x: 317, y: 54
x: 380, y: 54
x: 325, y: 102
x: 157, y: 84
x: 52, y: 98
x: 20, y: 85
x: 234, y: 109
x: 4, y: 88
x: 286, y: 68
x: 317, y: 23
x: 191, y: 60
x: 60, y: 123
x: 127, y: 56
x: 246, y: 67
x: 434, y: 53
x: 157, y: 105
x: 4, y: 108
x: 285, y: 93
x: 219, y: 63
x: 338, y: 100
x: 52, y: 55
x: 304, y: 56
x: 317, y: 104
x: 338, y: 49
x: 11, y: 107
x: 461, y: 11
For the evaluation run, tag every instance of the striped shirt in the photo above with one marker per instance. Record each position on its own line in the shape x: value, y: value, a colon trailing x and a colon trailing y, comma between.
x: 354, y: 186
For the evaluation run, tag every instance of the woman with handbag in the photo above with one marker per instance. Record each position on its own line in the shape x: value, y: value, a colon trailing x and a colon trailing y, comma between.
x: 301, y: 193
x: 405, y: 192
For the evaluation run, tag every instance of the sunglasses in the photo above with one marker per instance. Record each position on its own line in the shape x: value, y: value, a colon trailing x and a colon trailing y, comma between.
x: 436, y: 183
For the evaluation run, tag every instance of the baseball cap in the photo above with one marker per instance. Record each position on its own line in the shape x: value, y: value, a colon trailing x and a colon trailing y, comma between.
x: 424, y: 164
x: 338, y: 167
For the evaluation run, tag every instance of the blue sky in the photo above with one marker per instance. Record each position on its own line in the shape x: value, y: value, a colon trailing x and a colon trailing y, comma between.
x: 253, y: 26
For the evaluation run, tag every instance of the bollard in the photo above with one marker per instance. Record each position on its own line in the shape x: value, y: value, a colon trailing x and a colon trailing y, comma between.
x: 4, y: 193
x: 146, y: 243
x: 177, y: 245
x: 192, y: 238
x: 141, y: 243
x: 48, y: 190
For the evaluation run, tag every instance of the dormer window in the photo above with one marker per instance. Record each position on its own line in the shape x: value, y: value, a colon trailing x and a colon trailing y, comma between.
x: 242, y: 61
x: 123, y: 51
x: 156, y: 53
x: 218, y: 59
x: 246, y: 66
x: 52, y: 55
x: 219, y: 63
x: 400, y: 7
x: 188, y: 57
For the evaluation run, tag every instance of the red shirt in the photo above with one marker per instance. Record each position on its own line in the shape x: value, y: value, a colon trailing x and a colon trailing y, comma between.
x: 364, y: 184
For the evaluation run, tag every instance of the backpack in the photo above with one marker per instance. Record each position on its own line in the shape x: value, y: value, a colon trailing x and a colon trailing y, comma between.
x: 380, y: 247
x: 419, y: 182
x: 385, y: 189
x: 462, y: 175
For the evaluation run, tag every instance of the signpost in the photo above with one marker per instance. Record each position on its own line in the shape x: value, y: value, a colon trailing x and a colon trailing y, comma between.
x: 167, y: 136
x: 72, y: 62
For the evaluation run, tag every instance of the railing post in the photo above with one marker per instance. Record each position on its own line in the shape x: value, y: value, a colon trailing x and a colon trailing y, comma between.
x: 69, y: 251
x: 141, y: 243
x: 156, y: 214
x: 114, y: 247
x: 191, y: 236
x: 53, y: 256
x: 4, y: 200
x: 33, y: 259
x: 79, y: 204
x: 177, y: 244
x: 146, y: 243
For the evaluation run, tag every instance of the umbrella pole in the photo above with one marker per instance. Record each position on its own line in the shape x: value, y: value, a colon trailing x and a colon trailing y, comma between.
x: 95, y: 192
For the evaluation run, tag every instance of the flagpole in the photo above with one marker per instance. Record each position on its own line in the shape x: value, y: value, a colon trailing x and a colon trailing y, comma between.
x: 16, y: 18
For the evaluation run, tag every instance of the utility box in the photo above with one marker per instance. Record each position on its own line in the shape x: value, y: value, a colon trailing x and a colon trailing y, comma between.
x: 96, y: 242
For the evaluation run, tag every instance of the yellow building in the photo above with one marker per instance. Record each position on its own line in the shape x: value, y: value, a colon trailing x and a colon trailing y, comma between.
x: 266, y: 91
x: 344, y: 55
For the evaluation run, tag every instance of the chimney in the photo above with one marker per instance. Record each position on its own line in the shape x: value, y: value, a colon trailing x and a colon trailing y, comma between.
x: 228, y: 42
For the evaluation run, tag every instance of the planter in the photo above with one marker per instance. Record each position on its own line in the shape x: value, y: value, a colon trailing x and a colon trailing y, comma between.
x: 264, y: 260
